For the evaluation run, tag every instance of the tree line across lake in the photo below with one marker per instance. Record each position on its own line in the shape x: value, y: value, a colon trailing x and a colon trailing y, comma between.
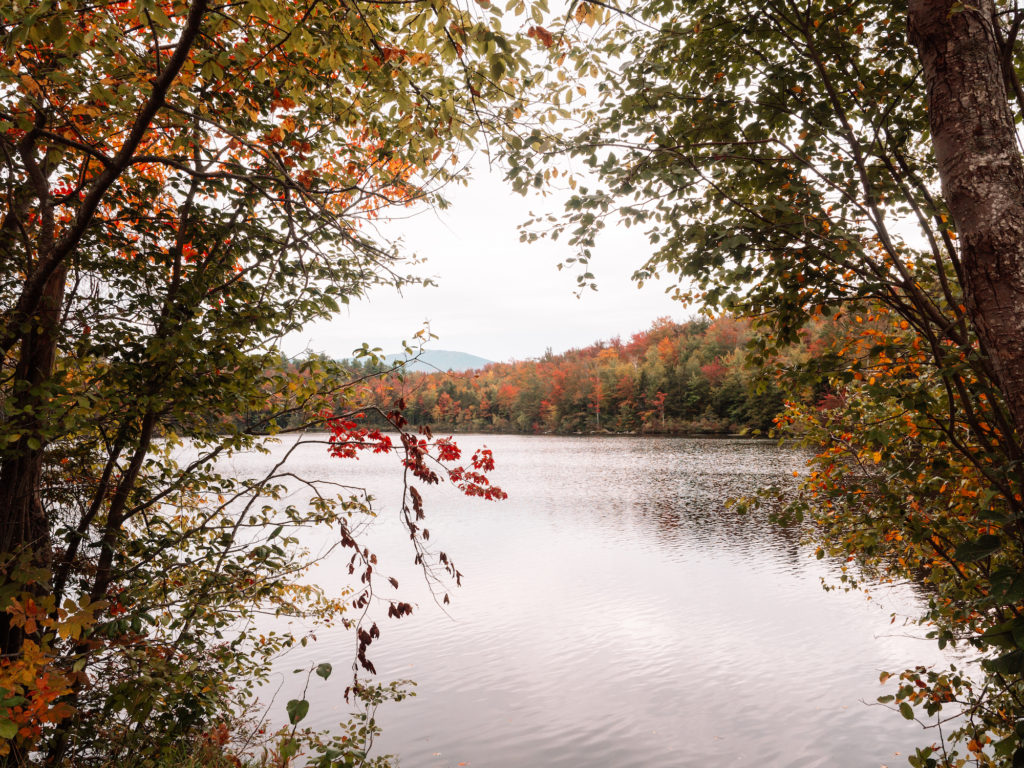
x: 675, y: 377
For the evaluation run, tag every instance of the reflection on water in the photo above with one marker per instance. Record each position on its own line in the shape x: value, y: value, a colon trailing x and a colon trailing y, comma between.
x: 615, y: 614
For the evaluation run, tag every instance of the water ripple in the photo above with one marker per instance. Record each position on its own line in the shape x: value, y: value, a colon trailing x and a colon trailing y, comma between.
x: 615, y: 614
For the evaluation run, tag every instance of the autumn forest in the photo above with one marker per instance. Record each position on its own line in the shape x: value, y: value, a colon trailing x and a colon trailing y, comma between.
x: 834, y: 190
x: 674, y: 378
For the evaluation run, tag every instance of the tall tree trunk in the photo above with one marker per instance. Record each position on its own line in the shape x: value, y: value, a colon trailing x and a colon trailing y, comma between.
x: 982, y: 174
x: 24, y: 529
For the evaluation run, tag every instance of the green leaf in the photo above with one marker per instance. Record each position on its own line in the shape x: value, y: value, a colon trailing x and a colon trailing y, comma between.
x: 289, y: 748
x: 1006, y: 746
x: 985, y: 498
x: 324, y: 670
x: 8, y: 729
x: 979, y: 549
x: 906, y: 711
x: 297, y: 709
x: 1011, y: 663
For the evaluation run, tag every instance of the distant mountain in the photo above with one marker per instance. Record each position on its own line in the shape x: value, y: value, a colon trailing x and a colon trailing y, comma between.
x: 432, y: 360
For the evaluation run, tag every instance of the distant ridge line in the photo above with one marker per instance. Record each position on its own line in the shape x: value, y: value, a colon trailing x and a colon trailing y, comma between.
x: 434, y: 360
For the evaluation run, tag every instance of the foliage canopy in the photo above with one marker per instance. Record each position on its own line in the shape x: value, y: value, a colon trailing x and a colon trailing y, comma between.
x: 183, y: 183
x: 779, y: 157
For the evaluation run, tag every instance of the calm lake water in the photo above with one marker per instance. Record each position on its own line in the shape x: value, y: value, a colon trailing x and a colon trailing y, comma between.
x: 614, y: 614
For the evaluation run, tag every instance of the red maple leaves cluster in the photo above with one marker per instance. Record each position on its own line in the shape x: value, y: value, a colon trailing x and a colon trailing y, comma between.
x: 422, y: 455
x: 348, y: 438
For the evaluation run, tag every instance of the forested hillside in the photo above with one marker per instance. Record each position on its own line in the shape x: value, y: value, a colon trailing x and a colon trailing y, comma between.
x: 687, y: 377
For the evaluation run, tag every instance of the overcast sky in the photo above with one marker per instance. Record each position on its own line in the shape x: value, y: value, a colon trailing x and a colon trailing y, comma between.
x: 496, y: 297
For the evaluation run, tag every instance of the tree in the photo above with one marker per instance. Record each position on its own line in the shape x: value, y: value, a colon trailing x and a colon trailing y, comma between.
x: 786, y: 160
x: 183, y: 183
x: 969, y: 56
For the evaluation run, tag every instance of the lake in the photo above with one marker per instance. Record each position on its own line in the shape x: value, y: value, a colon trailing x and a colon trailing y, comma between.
x: 614, y: 613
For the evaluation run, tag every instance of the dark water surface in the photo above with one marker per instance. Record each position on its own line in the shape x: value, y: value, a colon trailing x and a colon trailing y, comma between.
x: 614, y: 614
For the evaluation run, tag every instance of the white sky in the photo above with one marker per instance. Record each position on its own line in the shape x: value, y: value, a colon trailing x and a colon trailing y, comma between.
x: 496, y: 297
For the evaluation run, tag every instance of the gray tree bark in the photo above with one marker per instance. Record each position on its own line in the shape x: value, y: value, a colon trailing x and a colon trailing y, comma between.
x: 982, y: 174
